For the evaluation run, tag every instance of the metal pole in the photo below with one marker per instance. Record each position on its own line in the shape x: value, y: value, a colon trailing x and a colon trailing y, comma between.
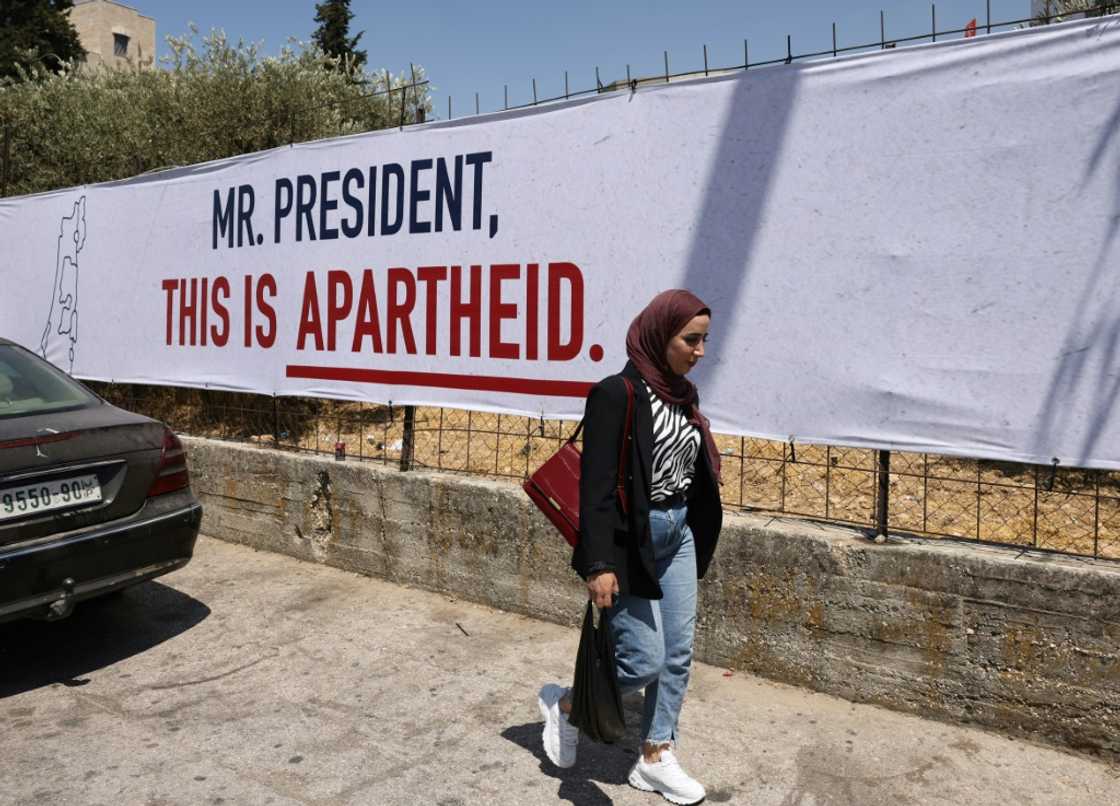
x: 407, y: 442
x: 476, y: 103
x: 275, y: 421
x: 565, y: 84
x: 7, y: 160
x: 534, y: 92
x: 1034, y: 526
x: 827, y: 480
x: 933, y: 19
x: 419, y: 116
x: 505, y: 96
x: 666, y: 67
x: 1097, y: 513
x: 834, y: 40
x: 882, y: 31
x: 789, y: 48
x: 449, y: 107
x: 988, y: 9
x: 705, y: 60
x: 979, y: 495
x: 746, y: 55
x: 882, y: 503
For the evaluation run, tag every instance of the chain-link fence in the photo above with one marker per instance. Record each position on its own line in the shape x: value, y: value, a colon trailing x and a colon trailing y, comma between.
x: 1068, y: 510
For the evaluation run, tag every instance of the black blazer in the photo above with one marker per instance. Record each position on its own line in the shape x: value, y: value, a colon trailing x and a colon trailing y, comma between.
x: 609, y: 540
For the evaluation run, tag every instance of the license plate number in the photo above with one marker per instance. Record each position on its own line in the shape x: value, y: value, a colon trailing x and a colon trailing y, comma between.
x: 44, y: 496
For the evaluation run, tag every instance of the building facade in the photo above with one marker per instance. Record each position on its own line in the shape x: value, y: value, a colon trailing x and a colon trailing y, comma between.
x: 113, y: 34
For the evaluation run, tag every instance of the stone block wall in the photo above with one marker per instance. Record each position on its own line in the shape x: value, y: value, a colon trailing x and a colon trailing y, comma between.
x: 1026, y: 644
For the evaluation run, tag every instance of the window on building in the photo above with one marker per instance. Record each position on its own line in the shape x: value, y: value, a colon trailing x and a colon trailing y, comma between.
x: 120, y: 45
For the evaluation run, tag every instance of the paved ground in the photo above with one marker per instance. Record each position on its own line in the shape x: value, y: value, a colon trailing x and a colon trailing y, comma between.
x: 250, y: 678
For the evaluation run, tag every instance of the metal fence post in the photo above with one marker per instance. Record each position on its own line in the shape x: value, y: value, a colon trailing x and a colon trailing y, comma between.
x: 418, y: 115
x: 275, y: 421
x: 882, y: 501
x: 404, y: 100
x: 7, y: 160
x: 407, y: 441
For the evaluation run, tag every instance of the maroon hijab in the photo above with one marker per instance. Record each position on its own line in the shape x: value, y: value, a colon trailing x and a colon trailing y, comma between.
x: 646, y: 341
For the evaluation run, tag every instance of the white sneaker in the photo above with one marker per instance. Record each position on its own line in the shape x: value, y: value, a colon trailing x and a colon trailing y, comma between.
x: 560, y: 737
x: 667, y: 778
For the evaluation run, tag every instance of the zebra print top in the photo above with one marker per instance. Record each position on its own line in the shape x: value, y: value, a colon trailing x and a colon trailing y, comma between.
x: 676, y: 443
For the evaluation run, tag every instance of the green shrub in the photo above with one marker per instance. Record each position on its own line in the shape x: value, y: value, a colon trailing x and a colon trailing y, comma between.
x: 213, y: 99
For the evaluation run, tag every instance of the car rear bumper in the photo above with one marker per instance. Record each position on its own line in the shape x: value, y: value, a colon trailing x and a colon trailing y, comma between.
x: 47, y: 578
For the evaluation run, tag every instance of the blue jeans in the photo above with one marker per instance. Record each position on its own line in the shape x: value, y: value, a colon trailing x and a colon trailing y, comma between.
x: 653, y: 637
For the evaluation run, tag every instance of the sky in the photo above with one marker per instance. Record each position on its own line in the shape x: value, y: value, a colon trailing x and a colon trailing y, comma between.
x: 487, y: 47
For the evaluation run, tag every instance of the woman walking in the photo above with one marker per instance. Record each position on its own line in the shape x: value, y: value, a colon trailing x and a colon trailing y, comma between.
x: 642, y: 567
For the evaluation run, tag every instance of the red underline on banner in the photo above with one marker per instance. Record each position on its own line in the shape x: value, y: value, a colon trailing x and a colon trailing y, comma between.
x: 443, y: 380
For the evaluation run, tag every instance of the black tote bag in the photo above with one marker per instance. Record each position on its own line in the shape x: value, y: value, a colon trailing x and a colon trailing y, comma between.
x: 596, y: 699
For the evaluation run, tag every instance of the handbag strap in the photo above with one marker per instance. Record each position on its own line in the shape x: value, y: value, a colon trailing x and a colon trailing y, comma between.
x: 623, y: 450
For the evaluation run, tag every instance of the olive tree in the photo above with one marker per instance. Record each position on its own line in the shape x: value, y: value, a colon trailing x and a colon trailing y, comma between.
x: 212, y: 99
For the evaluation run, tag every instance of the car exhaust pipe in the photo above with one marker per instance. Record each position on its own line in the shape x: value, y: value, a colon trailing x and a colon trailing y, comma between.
x: 63, y: 606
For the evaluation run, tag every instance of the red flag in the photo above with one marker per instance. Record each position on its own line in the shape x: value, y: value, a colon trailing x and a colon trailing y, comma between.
x: 970, y: 29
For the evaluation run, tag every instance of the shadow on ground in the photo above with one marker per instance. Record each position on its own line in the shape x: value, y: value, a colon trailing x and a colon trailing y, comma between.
x: 98, y: 634
x: 596, y: 764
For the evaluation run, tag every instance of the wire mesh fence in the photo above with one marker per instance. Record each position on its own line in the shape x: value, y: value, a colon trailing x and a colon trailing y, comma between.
x: 1067, y: 510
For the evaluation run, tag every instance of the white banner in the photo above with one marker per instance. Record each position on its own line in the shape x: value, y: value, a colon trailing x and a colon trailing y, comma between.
x: 913, y: 250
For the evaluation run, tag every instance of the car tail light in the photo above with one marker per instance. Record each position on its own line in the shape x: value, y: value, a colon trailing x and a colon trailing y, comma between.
x: 171, y: 474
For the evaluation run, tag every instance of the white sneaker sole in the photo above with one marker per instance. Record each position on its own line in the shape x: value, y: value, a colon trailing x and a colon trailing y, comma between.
x: 552, y: 752
x: 638, y: 781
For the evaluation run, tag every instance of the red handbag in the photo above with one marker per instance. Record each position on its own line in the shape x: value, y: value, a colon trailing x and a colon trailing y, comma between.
x: 554, y: 487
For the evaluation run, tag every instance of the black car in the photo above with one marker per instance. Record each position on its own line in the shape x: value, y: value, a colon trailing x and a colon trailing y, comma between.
x: 92, y: 498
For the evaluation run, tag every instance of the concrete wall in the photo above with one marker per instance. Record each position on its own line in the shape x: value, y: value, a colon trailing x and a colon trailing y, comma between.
x: 98, y: 20
x: 1029, y: 645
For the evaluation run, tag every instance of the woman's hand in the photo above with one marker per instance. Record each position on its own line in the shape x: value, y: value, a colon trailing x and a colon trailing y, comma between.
x: 601, y: 588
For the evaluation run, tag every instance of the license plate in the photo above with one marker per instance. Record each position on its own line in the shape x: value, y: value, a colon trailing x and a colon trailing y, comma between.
x: 44, y: 496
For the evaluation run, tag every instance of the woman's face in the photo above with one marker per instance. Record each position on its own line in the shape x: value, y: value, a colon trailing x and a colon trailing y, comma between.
x: 687, y: 347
